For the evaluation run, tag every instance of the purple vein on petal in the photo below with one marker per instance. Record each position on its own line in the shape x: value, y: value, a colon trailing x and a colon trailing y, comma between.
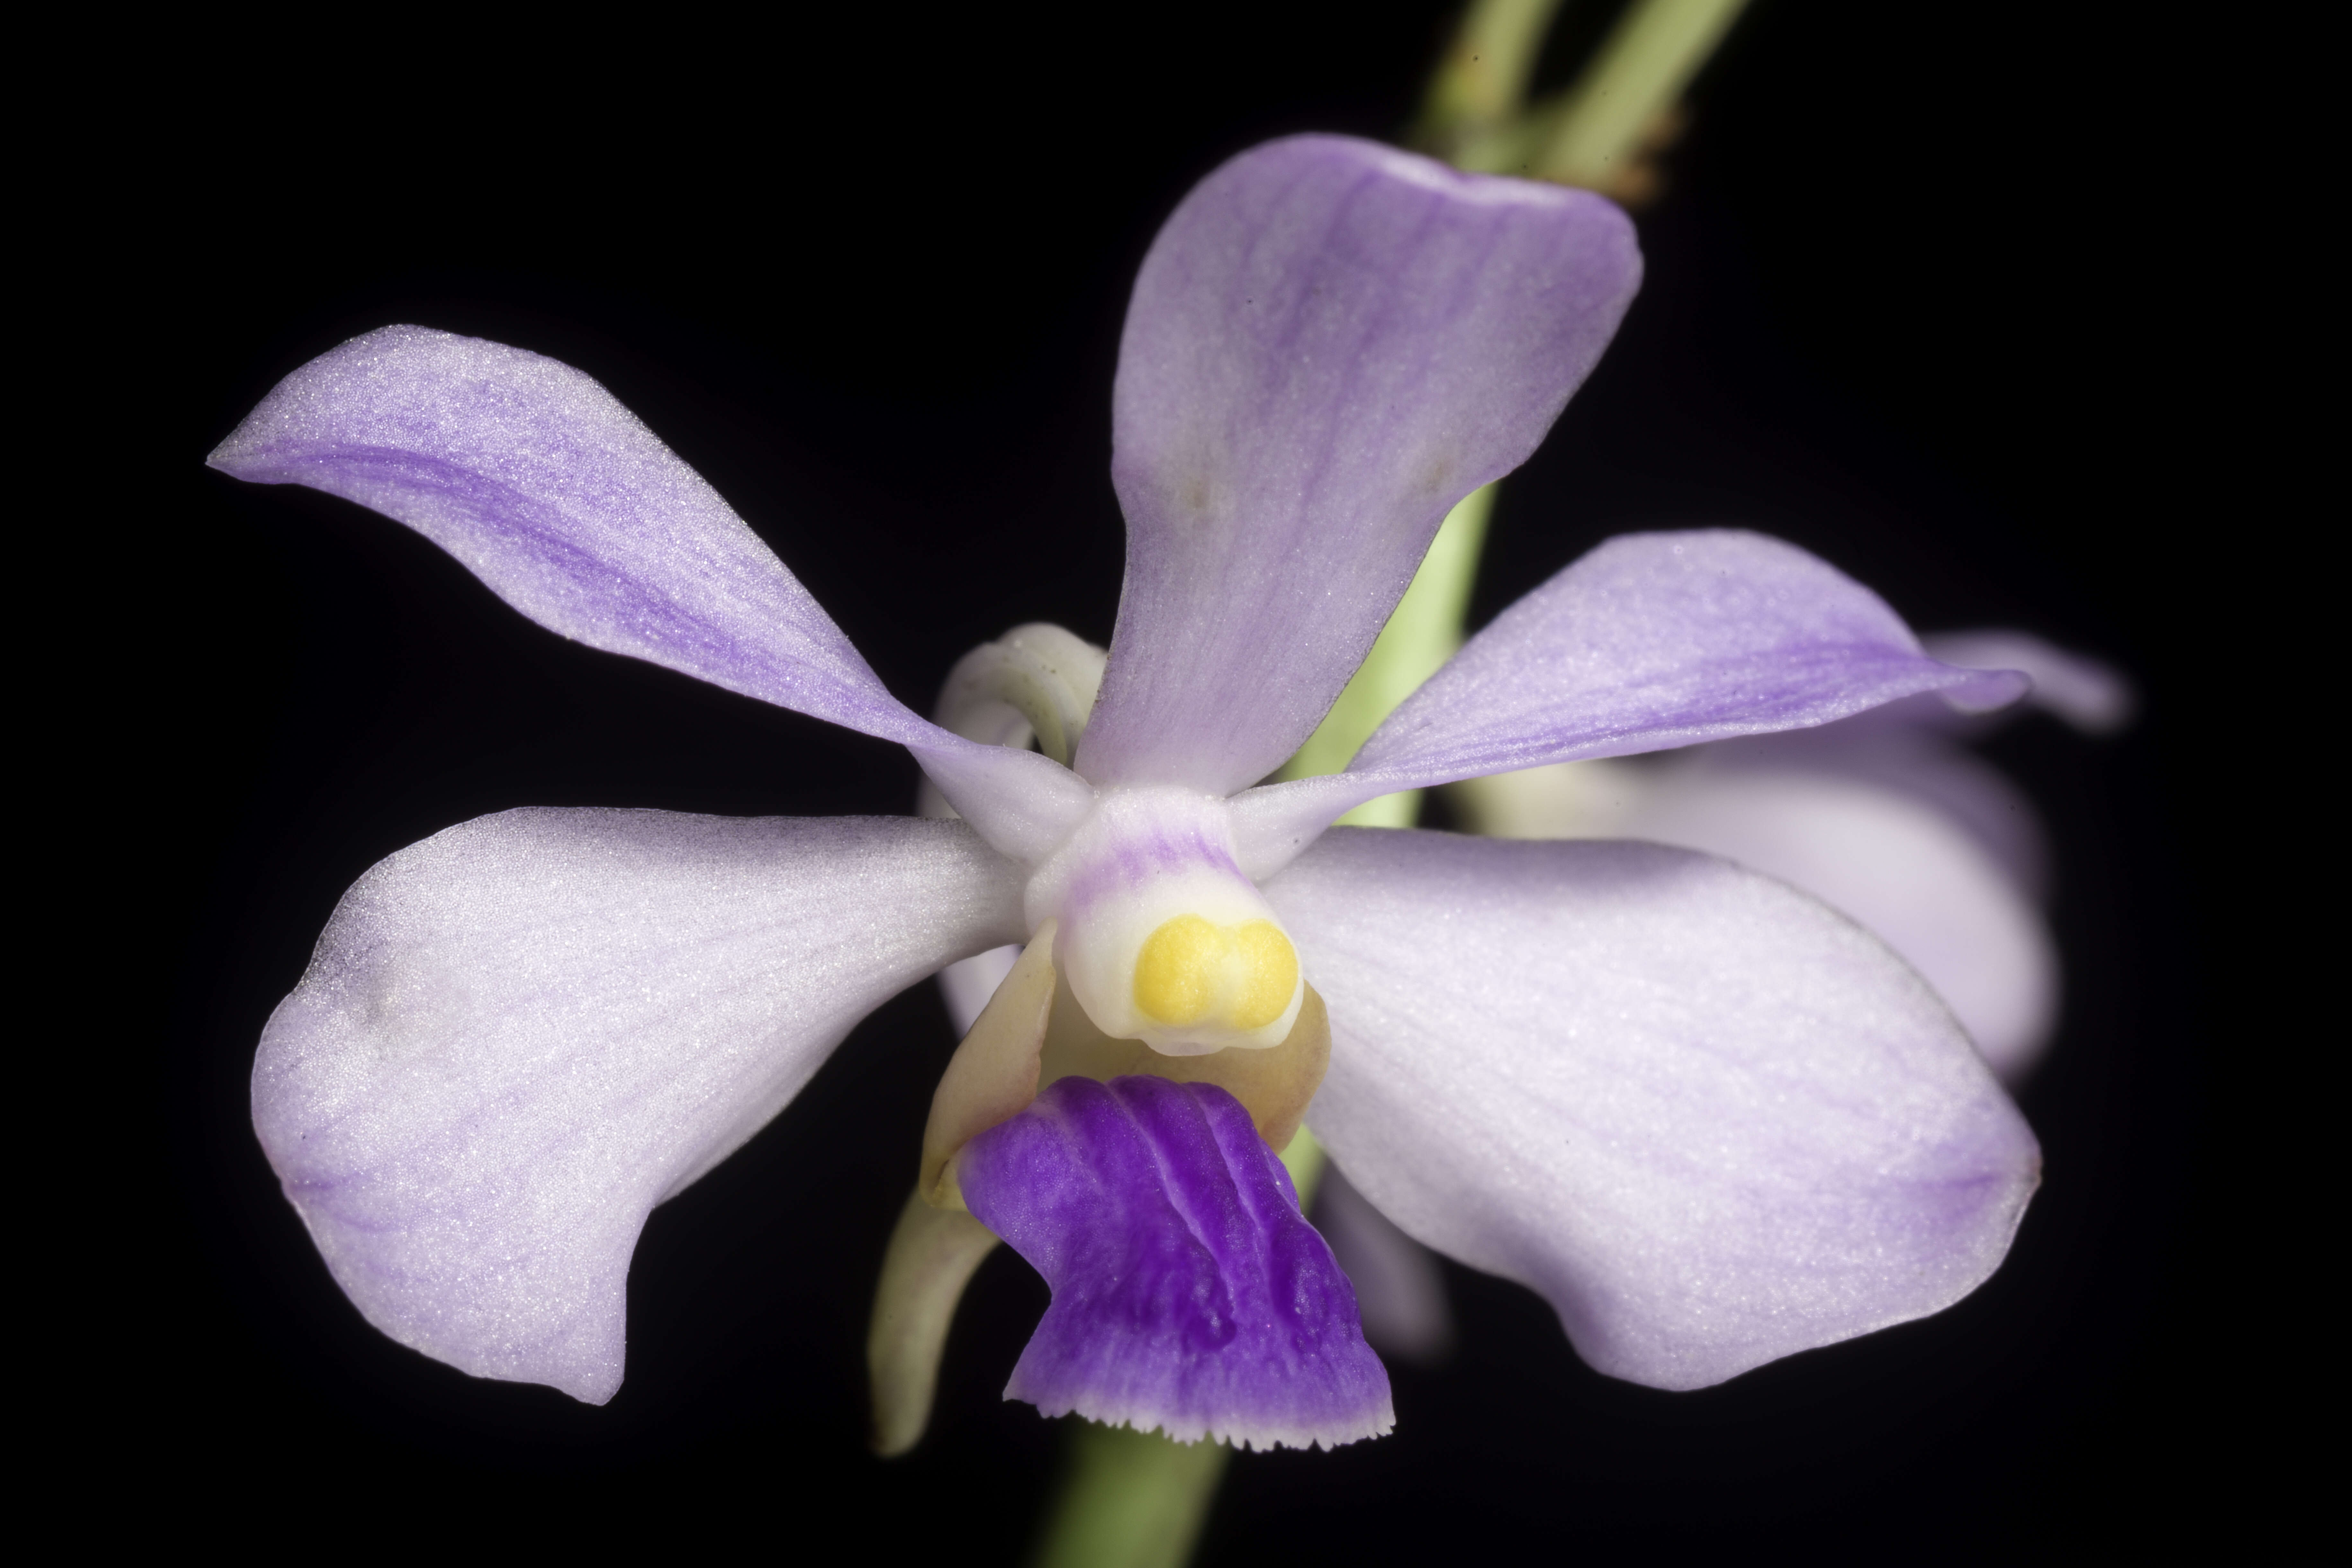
x: 1650, y: 641
x: 1331, y: 344
x: 568, y: 507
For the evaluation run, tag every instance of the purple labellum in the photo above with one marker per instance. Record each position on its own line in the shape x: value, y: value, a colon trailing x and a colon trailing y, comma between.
x: 1189, y: 1292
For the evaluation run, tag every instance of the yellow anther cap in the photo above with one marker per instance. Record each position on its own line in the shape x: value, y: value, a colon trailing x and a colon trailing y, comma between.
x: 1190, y: 973
x: 1265, y: 956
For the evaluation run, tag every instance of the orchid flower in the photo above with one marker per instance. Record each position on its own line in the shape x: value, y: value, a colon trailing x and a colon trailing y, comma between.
x: 1882, y: 817
x: 1711, y: 1121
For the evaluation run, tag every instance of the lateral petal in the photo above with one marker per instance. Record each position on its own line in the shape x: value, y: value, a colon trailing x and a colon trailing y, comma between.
x: 1650, y: 641
x: 561, y: 500
x: 518, y: 1036
x: 1712, y: 1122
x: 1330, y: 342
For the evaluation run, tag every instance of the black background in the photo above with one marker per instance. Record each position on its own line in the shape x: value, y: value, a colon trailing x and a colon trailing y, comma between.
x: 1917, y: 300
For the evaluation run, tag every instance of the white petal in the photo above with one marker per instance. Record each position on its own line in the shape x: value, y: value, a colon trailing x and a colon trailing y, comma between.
x: 1711, y: 1121
x: 1883, y: 832
x: 1911, y: 876
x: 518, y: 1036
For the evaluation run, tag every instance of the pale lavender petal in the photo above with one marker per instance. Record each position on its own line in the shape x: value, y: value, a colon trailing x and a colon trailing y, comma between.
x: 1909, y: 873
x: 518, y: 1036
x: 1653, y: 640
x: 2092, y: 695
x: 1916, y: 760
x: 1331, y: 344
x: 1190, y: 1295
x: 1712, y: 1122
x: 1399, y: 1285
x: 543, y: 486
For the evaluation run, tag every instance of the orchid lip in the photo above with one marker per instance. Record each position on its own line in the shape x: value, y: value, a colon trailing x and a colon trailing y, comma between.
x: 1190, y: 1294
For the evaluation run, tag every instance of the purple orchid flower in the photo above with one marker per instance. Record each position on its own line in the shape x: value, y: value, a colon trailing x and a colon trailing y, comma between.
x: 1712, y: 1122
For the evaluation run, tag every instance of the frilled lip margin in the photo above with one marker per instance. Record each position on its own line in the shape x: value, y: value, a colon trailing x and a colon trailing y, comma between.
x: 1190, y: 1294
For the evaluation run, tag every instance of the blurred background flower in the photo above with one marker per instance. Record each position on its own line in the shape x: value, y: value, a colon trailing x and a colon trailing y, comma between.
x: 1887, y: 817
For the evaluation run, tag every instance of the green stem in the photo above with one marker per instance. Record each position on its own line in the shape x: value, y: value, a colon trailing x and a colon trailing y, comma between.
x: 1602, y: 125
x: 1134, y: 1499
x: 1482, y: 82
x: 1129, y: 1499
x: 1421, y: 636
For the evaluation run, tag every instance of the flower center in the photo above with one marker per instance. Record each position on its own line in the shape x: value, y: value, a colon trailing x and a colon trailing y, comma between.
x: 1162, y: 938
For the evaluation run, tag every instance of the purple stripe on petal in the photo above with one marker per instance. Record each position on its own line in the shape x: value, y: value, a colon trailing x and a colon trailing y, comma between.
x: 1650, y: 641
x: 2092, y: 695
x: 1331, y: 344
x: 517, y: 1036
x: 560, y: 500
x: 1189, y: 1293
